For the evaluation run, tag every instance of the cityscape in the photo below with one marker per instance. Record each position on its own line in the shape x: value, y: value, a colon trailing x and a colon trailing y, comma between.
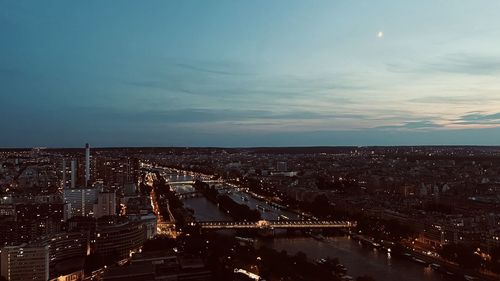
x: 370, y: 213
x: 263, y: 140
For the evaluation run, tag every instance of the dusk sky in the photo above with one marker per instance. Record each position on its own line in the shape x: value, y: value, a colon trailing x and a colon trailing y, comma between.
x: 249, y: 73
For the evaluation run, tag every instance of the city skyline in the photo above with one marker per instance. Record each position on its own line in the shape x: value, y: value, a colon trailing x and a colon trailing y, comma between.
x: 235, y: 73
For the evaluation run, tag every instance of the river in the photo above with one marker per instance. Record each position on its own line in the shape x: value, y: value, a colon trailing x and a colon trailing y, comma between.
x: 358, y: 259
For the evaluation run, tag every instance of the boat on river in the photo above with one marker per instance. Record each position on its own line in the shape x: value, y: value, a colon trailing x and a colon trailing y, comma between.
x: 435, y: 266
x: 262, y: 208
x: 422, y: 262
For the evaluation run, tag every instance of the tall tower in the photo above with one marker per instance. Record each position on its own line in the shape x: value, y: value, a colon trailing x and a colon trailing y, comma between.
x: 73, y: 173
x: 87, y: 164
x: 64, y: 173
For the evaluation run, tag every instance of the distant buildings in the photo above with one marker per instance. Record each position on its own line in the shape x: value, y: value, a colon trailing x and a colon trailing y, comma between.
x: 78, y: 204
x: 24, y: 219
x: 56, y: 209
x: 90, y: 202
x: 281, y: 166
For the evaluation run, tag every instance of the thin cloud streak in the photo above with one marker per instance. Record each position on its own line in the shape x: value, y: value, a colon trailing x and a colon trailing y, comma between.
x: 455, y: 63
x: 413, y: 125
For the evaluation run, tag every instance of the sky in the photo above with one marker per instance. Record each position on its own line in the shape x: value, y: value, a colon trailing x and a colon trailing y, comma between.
x: 249, y: 73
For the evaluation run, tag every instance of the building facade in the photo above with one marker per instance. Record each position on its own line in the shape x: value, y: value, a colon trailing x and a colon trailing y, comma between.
x: 106, y: 204
x: 82, y: 201
x: 20, y: 263
x: 119, y: 239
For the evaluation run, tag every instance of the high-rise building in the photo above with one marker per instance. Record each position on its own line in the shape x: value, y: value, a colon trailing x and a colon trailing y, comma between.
x: 82, y: 200
x: 63, y: 173
x: 73, y: 174
x: 106, y: 204
x: 87, y: 164
x: 23, y: 262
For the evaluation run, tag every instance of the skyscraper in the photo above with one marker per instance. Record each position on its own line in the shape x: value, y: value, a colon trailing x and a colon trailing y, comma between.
x: 63, y: 173
x: 106, y: 204
x: 82, y: 200
x: 73, y: 173
x: 87, y: 164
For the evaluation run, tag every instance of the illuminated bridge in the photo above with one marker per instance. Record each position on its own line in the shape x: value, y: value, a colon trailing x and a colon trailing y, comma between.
x: 282, y: 224
x: 192, y: 182
x: 187, y: 195
x: 193, y: 194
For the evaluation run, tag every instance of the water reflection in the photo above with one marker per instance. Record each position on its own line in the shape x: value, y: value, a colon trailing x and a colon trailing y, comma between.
x: 358, y: 259
x: 183, y: 188
x: 205, y: 210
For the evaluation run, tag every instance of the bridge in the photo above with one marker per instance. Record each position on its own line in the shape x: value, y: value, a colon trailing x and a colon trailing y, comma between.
x: 187, y: 195
x: 192, y: 182
x: 282, y: 224
x: 196, y: 193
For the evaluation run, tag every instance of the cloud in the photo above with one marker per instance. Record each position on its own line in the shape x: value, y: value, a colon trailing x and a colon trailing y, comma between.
x: 456, y: 63
x: 413, y: 125
x: 161, y: 85
x: 468, y: 64
x: 234, y: 84
x: 227, y: 71
x: 447, y: 99
x: 203, y: 115
x: 478, y: 118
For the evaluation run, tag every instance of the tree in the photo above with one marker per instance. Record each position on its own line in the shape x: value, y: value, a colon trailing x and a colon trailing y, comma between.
x: 397, y: 230
x: 320, y: 206
x: 495, y: 254
x: 495, y: 267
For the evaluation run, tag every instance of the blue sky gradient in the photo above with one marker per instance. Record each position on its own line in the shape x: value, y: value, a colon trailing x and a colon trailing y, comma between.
x: 249, y: 73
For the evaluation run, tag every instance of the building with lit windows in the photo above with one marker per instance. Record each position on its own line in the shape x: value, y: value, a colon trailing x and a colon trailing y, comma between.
x: 119, y: 238
x: 82, y: 200
x: 105, y: 205
x: 67, y: 245
x: 23, y: 262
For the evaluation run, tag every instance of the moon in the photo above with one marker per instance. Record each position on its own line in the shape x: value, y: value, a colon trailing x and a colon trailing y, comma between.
x: 380, y: 34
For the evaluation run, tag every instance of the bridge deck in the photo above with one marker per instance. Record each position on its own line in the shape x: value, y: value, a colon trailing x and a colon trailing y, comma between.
x: 192, y: 181
x: 276, y: 224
